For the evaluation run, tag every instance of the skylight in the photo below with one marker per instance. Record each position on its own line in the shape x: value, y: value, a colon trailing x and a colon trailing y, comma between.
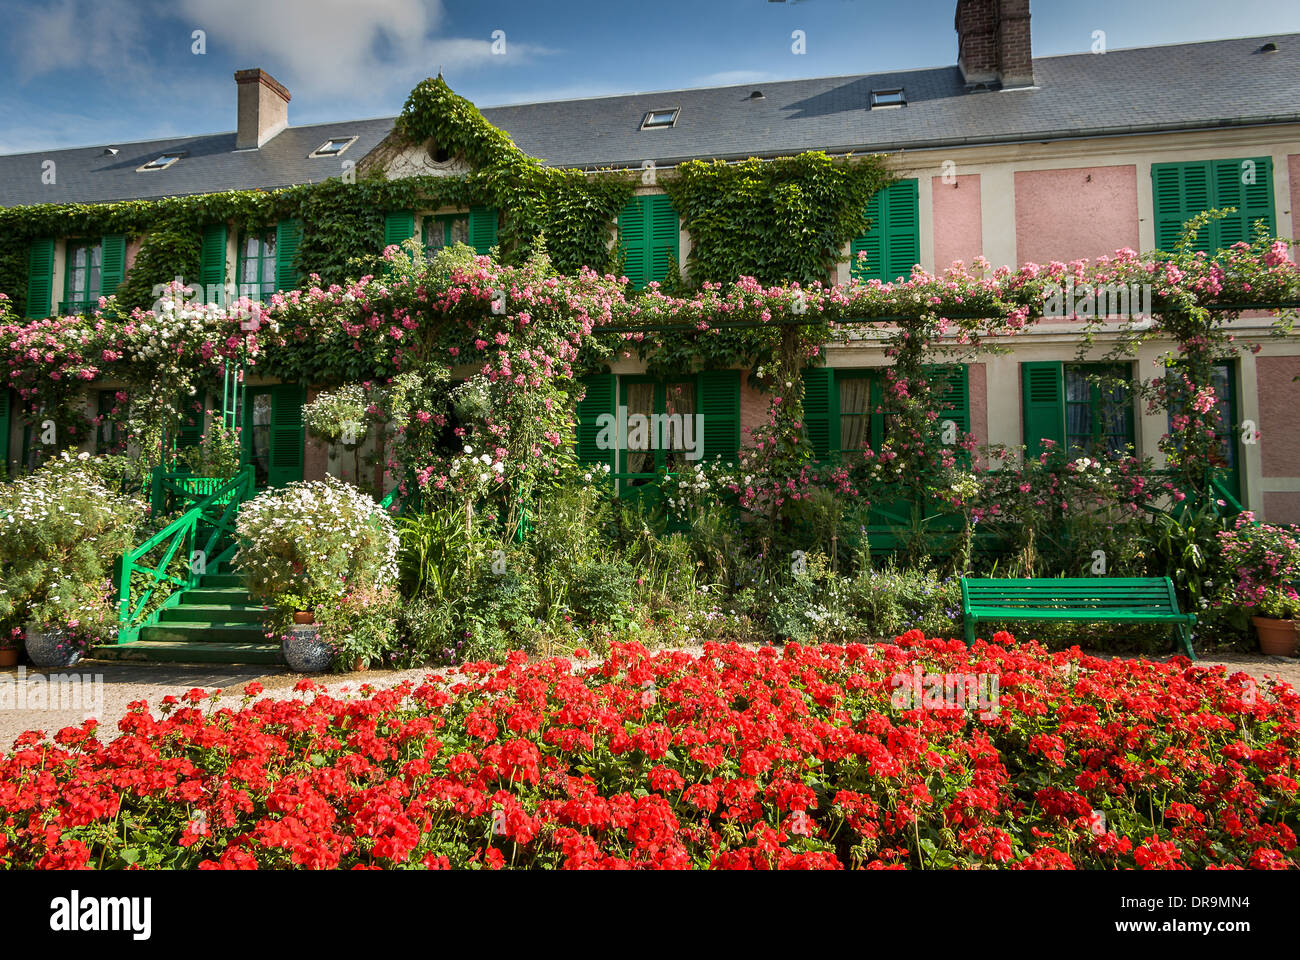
x: 333, y: 147
x: 660, y: 118
x: 888, y: 98
x: 161, y: 162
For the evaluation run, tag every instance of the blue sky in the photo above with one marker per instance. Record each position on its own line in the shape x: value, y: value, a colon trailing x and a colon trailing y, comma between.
x: 78, y: 72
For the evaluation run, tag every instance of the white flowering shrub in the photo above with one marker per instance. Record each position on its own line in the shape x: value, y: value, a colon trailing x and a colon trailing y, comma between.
x: 309, y: 542
x: 339, y: 416
x: 61, y: 530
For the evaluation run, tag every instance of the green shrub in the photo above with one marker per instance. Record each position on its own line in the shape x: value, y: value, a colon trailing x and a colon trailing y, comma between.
x: 315, y: 541
x: 601, y: 592
x: 62, y: 530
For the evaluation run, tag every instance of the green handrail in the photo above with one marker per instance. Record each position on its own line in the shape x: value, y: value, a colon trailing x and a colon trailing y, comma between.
x: 184, y: 529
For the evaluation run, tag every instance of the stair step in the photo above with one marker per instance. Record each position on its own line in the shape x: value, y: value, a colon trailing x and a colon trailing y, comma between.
x: 213, y: 613
x: 201, y: 632
x: 208, y: 596
x: 219, y: 580
x: 180, y: 652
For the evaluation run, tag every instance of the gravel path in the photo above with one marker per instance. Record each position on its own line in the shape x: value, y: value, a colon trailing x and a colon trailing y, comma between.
x: 31, y: 700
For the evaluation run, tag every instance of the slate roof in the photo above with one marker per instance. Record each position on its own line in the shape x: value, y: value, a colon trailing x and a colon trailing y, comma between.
x: 86, y: 175
x: 1145, y: 89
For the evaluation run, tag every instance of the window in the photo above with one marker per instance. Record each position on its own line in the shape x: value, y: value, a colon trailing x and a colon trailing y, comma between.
x: 108, y: 437
x: 1224, y: 459
x: 861, y: 423
x: 257, y: 265
x: 843, y: 408
x: 161, y: 163
x: 333, y: 147
x: 1182, y: 190
x: 444, y: 230
x: 649, y: 237
x: 655, y: 119
x: 643, y: 454
x: 1098, y: 410
x: 892, y: 244
x: 82, y: 280
x: 694, y: 418
x: 887, y: 98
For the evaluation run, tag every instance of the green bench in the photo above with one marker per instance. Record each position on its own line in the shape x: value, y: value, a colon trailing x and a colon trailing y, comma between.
x: 1105, y: 599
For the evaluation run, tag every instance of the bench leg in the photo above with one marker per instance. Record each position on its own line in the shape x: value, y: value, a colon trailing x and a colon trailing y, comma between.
x: 969, y: 623
x: 1183, y: 634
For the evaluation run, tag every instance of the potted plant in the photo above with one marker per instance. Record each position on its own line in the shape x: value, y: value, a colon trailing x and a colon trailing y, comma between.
x: 300, y: 547
x: 63, y: 529
x: 361, y: 625
x: 1278, y: 613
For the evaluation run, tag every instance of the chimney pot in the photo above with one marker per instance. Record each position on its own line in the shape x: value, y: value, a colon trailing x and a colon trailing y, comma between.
x: 263, y: 108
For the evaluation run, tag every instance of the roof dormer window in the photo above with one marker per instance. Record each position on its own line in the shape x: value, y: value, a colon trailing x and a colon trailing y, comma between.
x: 333, y: 147
x: 655, y: 119
x: 161, y: 162
x: 881, y: 99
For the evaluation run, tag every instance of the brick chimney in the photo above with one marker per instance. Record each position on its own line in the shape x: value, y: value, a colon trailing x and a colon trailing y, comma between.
x: 993, y: 43
x: 263, y: 108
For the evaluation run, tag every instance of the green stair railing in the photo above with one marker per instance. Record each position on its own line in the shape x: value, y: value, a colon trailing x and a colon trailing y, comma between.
x: 208, y: 526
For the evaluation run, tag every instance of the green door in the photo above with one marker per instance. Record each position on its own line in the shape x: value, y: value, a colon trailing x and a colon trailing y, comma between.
x: 644, y: 454
x: 273, y: 437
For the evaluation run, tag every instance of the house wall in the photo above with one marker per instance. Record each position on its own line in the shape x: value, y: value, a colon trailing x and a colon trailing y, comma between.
x: 957, y: 222
x: 1078, y: 212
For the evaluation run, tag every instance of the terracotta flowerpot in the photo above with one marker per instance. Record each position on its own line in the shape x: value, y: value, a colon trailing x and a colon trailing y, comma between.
x: 9, y: 656
x: 361, y: 663
x: 1277, y: 638
x: 304, y: 616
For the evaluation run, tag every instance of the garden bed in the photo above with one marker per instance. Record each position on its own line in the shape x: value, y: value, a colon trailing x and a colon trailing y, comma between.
x: 807, y: 757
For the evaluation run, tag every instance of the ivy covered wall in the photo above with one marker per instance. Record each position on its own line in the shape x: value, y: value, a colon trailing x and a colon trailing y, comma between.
x: 779, y: 221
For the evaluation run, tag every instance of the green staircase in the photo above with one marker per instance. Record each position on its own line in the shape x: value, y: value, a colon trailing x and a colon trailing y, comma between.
x: 212, y: 622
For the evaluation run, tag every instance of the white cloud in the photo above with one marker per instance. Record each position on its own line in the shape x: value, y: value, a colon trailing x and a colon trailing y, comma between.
x: 358, y: 49
x: 73, y: 34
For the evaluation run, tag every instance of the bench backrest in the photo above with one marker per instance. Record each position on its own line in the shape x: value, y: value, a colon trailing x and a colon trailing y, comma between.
x: 1070, y: 593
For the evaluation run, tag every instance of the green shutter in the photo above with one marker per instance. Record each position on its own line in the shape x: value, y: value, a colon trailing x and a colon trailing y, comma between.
x: 1043, y: 386
x: 818, y: 387
x: 1182, y: 190
x: 288, y: 234
x: 40, y: 278
x: 665, y: 236
x: 602, y: 389
x: 1253, y: 201
x: 720, y: 407
x: 6, y: 407
x: 633, y: 237
x: 892, y: 242
x: 288, y: 437
x: 951, y: 386
x: 112, y: 263
x: 212, y: 261
x: 1179, y: 192
x: 483, y: 229
x: 399, y: 226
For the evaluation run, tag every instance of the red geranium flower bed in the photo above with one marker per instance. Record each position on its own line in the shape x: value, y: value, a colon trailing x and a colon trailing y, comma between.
x: 802, y: 758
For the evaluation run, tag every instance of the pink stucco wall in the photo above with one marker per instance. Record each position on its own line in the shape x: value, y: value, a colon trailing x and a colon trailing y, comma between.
x: 1282, y: 507
x: 958, y: 227
x: 1279, y: 440
x: 1081, y: 212
x: 133, y: 245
